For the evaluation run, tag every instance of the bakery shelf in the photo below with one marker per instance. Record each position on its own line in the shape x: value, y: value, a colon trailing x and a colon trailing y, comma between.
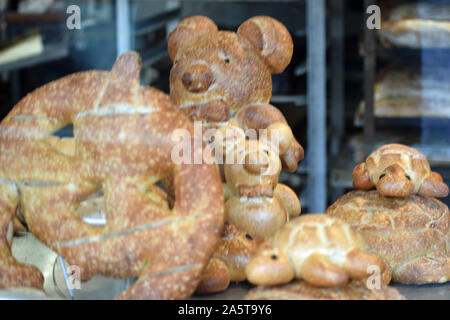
x: 151, y: 24
x: 296, y: 100
x: 28, y: 249
x: 52, y: 52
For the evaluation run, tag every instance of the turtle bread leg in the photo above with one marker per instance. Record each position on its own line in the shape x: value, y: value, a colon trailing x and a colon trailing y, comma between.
x: 360, y: 265
x: 215, y: 278
x: 434, y: 186
x: 319, y: 271
x: 361, y: 178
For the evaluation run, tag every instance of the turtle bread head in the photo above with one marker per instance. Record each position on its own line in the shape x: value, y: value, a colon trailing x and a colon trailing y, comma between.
x: 270, y: 266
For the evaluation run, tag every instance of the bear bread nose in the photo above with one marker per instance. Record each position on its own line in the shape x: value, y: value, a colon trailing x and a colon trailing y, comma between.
x: 197, y: 78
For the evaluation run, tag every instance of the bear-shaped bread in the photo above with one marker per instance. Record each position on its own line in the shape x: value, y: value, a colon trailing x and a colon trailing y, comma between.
x: 220, y: 75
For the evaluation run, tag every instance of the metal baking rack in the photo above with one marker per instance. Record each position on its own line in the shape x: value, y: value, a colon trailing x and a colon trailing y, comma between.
x: 432, y: 140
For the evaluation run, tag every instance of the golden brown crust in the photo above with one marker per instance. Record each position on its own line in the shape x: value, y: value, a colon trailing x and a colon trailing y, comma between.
x: 200, y: 78
x: 228, y: 262
x: 405, y: 91
x: 411, y: 234
x: 301, y: 290
x: 417, y: 25
x: 261, y: 116
x: 398, y: 171
x: 215, y: 278
x: 321, y: 250
x: 123, y: 144
x: 289, y: 199
x: 255, y: 203
x: 270, y: 39
x: 13, y: 273
x: 187, y: 30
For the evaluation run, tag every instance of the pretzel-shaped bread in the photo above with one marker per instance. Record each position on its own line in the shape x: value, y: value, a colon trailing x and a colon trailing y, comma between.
x: 122, y: 145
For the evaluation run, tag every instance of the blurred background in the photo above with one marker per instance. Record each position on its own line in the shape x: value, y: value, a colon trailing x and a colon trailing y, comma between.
x: 347, y: 90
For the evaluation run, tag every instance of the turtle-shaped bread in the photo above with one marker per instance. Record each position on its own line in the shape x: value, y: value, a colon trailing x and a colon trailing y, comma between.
x: 323, y: 251
x: 397, y: 170
x: 411, y: 234
x: 301, y: 290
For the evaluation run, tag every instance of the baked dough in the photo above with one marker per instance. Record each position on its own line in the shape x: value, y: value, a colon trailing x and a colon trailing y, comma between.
x: 216, y: 74
x: 255, y: 202
x: 398, y: 171
x: 228, y: 262
x: 411, y: 234
x: 417, y: 25
x: 321, y: 250
x: 301, y: 290
x: 123, y: 145
x: 411, y: 92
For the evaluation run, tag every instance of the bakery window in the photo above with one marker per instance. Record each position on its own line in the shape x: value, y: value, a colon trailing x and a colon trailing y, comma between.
x: 356, y: 94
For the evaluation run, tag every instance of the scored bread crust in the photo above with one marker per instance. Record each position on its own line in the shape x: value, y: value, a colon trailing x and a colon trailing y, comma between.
x: 321, y: 250
x: 397, y: 170
x: 229, y: 260
x: 218, y: 73
x: 411, y: 234
x: 301, y: 290
x: 122, y: 134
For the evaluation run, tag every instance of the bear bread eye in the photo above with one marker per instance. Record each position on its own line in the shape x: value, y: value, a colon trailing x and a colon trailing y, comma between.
x: 274, y: 257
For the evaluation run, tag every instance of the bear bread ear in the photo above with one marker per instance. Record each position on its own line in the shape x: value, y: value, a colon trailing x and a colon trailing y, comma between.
x: 187, y: 30
x: 270, y: 39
